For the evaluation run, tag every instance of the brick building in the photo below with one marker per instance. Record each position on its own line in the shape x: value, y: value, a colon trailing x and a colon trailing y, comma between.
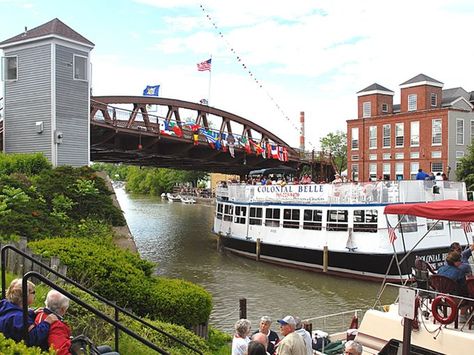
x: 430, y: 129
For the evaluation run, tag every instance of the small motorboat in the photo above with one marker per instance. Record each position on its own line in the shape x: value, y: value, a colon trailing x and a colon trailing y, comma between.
x: 187, y: 200
x: 163, y: 196
x: 173, y: 198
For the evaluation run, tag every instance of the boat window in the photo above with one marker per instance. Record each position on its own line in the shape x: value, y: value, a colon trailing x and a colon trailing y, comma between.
x: 240, y: 213
x: 291, y: 218
x: 337, y: 220
x: 365, y: 221
x: 436, y: 226
x: 272, y: 217
x: 220, y: 208
x: 228, y: 212
x: 408, y: 224
x: 255, y: 216
x: 313, y: 219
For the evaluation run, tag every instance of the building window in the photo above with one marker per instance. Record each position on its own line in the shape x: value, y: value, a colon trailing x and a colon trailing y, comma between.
x: 386, y: 136
x: 459, y: 131
x: 337, y: 220
x: 436, y: 154
x: 386, y: 156
x: 372, y: 156
x: 80, y: 67
x: 386, y: 171
x: 365, y: 221
x: 407, y: 223
x: 399, y: 156
x: 220, y: 209
x: 272, y: 217
x: 414, y: 170
x: 372, y: 137
x: 228, y: 212
x: 355, y: 172
x: 415, y: 134
x: 255, y: 216
x: 436, y: 132
x: 366, y: 109
x: 437, y: 167
x: 10, y: 68
x: 355, y: 157
x: 355, y: 138
x: 313, y: 219
x: 399, y: 171
x: 373, y: 172
x: 384, y: 108
x: 472, y: 130
x: 459, y: 154
x: 399, y: 135
x: 434, y: 99
x: 434, y: 224
x: 414, y: 155
x: 412, y: 102
x: 240, y: 213
x: 291, y: 218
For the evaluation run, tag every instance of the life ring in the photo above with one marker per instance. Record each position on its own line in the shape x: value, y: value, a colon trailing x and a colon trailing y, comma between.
x: 444, y: 301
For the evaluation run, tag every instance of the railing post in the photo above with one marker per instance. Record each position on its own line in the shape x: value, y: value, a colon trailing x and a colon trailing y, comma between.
x: 116, y: 317
x: 4, y: 272
x: 242, y: 308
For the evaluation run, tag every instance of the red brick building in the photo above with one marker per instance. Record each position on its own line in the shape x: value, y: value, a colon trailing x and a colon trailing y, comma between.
x: 430, y: 129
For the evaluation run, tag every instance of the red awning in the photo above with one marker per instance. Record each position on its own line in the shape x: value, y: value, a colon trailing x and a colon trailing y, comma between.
x: 448, y: 210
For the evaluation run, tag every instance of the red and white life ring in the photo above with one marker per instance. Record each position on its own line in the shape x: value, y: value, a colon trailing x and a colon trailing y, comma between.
x: 441, y: 301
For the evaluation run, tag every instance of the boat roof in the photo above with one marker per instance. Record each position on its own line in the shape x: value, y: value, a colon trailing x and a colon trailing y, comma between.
x: 447, y: 210
x: 276, y: 170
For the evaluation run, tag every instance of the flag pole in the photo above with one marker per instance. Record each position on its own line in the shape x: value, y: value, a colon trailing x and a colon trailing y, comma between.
x: 209, y: 86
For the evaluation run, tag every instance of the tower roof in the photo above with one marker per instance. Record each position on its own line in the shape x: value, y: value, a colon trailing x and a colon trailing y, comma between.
x: 375, y: 89
x: 53, y: 28
x: 421, y: 79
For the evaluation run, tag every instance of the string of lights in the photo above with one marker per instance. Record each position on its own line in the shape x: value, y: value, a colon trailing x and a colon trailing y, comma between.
x: 249, y: 71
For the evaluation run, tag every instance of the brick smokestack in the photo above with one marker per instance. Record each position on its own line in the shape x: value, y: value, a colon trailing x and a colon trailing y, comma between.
x: 302, y: 133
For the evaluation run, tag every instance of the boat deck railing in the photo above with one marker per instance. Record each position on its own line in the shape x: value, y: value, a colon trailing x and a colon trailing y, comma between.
x: 402, y: 191
x: 335, y: 322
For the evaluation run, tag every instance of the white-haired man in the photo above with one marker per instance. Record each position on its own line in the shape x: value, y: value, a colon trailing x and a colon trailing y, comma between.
x: 352, y: 348
x: 308, y: 342
x: 292, y: 343
x: 264, y: 327
x: 60, y: 334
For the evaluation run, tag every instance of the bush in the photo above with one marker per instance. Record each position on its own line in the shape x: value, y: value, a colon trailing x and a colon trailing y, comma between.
x: 122, y: 276
x: 28, y: 164
x: 10, y: 347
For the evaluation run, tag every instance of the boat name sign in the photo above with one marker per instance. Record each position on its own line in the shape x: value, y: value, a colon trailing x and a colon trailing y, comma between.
x: 314, y: 192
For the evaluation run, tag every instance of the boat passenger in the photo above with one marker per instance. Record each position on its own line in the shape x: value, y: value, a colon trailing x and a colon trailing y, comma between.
x: 352, y: 347
x: 465, y: 255
x: 11, y: 316
x: 451, y: 270
x: 421, y: 175
x: 262, y: 339
x: 337, y: 179
x: 264, y: 328
x: 256, y: 348
x: 241, y: 337
x: 308, y: 342
x: 292, y: 343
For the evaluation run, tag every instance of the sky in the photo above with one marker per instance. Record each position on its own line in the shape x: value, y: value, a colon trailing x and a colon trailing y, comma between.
x: 304, y: 55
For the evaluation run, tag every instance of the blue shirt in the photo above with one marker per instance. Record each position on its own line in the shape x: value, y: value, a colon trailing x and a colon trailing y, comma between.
x: 421, y: 175
x: 453, y: 272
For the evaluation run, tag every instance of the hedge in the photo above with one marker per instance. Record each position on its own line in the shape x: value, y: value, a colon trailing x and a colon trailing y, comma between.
x: 10, y: 347
x: 28, y: 164
x: 122, y: 276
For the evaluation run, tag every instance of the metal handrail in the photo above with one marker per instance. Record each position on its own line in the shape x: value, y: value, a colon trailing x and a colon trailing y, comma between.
x: 76, y: 284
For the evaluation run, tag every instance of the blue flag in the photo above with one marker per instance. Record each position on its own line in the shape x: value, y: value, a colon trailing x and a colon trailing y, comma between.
x: 151, y: 90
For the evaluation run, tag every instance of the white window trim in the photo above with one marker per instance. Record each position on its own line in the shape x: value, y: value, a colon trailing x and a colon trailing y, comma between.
x: 366, y: 104
x: 370, y: 138
x: 74, y: 67
x: 403, y: 134
x: 386, y: 108
x: 435, y: 95
x: 416, y: 102
x: 414, y: 155
x: 432, y: 135
x: 3, y: 68
x: 384, y: 136
x: 460, y: 120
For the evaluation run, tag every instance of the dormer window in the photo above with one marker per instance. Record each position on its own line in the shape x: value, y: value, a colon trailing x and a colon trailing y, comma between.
x: 366, y: 109
x: 412, y: 102
x: 434, y: 99
x: 384, y: 108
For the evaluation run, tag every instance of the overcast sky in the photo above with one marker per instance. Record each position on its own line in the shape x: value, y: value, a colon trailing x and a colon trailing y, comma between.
x: 306, y: 55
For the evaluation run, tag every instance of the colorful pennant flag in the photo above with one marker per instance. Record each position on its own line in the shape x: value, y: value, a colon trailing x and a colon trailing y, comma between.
x: 151, y: 90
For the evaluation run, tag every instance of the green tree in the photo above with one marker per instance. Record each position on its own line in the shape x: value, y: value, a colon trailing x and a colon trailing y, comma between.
x: 336, y: 145
x: 465, y: 169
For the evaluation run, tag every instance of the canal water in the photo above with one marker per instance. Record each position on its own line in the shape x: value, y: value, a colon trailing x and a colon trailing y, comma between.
x: 178, y: 238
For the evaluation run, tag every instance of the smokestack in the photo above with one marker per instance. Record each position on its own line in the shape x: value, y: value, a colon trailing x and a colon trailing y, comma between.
x: 302, y: 133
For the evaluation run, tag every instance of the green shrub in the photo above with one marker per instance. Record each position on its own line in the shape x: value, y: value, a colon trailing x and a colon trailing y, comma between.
x: 10, y: 347
x: 122, y: 276
x: 28, y: 164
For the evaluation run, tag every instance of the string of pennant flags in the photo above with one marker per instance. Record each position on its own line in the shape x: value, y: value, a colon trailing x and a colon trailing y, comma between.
x: 251, y: 74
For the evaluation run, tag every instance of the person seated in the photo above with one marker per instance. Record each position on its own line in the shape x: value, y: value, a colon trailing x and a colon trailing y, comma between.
x: 451, y: 270
x: 59, y: 337
x: 11, y: 316
x: 353, y: 347
x: 465, y: 255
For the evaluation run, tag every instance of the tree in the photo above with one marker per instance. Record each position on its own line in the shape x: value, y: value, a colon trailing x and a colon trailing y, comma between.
x: 336, y: 145
x: 465, y: 169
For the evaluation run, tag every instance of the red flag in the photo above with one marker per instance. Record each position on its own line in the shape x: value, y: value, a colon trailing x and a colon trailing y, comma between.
x: 467, y: 227
x: 391, y: 235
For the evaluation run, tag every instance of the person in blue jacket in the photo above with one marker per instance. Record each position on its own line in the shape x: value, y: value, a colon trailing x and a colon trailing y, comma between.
x: 11, y: 316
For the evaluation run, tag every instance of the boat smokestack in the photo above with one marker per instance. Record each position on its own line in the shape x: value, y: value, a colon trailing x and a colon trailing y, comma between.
x: 302, y: 134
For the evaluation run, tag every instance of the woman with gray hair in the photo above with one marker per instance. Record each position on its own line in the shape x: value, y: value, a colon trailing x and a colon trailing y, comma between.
x: 241, y: 337
x: 352, y: 348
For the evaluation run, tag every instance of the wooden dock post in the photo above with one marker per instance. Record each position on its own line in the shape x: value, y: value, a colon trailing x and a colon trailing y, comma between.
x: 242, y: 308
x: 257, y: 250
x: 219, y: 242
x: 325, y: 258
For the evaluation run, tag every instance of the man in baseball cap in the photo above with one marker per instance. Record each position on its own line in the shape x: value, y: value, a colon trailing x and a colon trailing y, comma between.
x: 292, y: 343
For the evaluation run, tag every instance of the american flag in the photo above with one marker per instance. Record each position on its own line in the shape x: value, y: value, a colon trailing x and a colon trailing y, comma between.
x: 203, y: 66
x: 467, y: 227
x: 391, y: 235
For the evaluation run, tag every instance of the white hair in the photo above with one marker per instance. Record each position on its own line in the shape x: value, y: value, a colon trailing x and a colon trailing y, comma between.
x: 352, y: 344
x: 56, y: 301
x: 242, y: 327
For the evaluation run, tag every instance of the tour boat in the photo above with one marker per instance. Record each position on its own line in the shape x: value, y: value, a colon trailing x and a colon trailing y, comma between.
x: 173, y: 198
x: 338, y: 228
